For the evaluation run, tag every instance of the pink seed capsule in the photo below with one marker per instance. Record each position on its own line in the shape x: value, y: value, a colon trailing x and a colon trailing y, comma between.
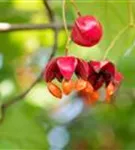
x: 87, y: 31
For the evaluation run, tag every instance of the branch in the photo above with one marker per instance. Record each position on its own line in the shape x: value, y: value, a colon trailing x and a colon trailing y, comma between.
x: 6, y: 27
x: 51, y: 17
x: 20, y: 97
x: 49, y: 11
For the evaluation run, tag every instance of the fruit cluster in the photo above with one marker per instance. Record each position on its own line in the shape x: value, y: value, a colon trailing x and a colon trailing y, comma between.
x: 89, y: 76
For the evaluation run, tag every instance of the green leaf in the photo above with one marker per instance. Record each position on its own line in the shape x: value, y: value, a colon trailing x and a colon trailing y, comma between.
x: 21, y: 128
x: 7, y: 144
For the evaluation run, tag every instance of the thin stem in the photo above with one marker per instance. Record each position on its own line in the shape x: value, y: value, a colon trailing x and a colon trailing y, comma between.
x: 66, y: 49
x: 76, y: 7
x: 114, y: 41
x: 65, y: 26
x: 64, y: 17
x: 130, y: 13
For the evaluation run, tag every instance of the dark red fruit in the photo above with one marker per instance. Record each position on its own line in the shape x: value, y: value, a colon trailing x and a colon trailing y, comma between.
x: 87, y: 31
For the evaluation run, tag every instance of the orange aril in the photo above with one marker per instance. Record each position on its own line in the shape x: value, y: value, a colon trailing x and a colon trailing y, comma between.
x: 89, y: 88
x: 67, y: 86
x: 109, y: 91
x: 54, y: 90
x: 94, y: 96
x: 80, y: 84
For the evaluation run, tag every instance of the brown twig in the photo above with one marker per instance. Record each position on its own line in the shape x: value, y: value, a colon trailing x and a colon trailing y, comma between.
x: 23, y: 27
x: 49, y: 11
x: 16, y: 99
x: 6, y: 27
x: 19, y: 97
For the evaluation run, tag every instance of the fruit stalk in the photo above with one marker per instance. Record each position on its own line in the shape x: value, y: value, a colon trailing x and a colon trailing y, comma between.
x: 65, y: 26
x: 130, y: 13
x: 76, y: 8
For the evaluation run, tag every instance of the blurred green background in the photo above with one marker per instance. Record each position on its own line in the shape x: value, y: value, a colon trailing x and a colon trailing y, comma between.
x: 36, y: 122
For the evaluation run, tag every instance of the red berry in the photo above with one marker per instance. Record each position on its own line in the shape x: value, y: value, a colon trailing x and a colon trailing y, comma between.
x: 87, y: 31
